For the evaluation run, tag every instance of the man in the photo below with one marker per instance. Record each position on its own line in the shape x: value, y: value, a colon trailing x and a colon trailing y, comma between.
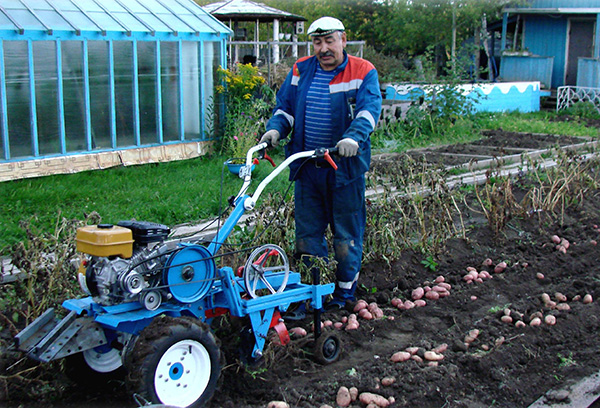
x: 329, y: 99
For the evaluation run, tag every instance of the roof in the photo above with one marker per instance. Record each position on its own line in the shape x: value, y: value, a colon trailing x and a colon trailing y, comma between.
x: 557, y: 7
x: 249, y: 11
x: 123, y: 16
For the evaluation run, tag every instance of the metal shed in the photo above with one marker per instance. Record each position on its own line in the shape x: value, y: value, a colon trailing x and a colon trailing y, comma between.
x: 93, y: 83
x: 551, y: 39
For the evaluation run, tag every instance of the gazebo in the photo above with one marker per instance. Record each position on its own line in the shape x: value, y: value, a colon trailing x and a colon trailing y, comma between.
x: 233, y: 12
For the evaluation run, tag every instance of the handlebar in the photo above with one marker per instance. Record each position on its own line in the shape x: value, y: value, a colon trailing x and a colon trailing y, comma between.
x: 320, y: 153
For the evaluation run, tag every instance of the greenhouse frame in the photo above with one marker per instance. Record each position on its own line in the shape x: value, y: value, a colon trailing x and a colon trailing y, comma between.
x: 88, y: 84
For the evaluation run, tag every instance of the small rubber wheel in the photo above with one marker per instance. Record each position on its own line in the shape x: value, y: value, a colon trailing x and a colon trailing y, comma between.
x: 174, y: 362
x: 328, y: 348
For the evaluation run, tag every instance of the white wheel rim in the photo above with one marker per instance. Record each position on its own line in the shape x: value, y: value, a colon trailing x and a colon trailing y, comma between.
x: 182, y: 374
x: 103, y: 362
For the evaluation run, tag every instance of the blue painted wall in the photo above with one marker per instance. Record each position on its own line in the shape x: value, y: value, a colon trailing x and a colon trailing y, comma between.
x: 547, y: 36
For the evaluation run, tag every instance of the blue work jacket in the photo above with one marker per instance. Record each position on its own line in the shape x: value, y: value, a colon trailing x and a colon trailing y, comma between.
x: 356, y: 105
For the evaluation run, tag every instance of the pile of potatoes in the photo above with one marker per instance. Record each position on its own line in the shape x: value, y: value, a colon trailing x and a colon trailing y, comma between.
x: 346, y: 396
x: 420, y: 295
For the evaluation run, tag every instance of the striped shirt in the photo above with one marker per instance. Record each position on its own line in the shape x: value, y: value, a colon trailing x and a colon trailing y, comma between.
x: 318, y: 131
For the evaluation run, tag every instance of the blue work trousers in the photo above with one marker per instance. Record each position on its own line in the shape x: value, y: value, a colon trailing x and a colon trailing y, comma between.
x: 319, y: 203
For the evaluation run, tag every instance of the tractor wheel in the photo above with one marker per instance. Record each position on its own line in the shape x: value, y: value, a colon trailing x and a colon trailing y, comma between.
x: 328, y: 347
x: 97, y: 366
x: 175, y: 362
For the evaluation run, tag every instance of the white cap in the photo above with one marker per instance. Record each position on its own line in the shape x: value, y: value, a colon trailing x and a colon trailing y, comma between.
x: 325, y: 26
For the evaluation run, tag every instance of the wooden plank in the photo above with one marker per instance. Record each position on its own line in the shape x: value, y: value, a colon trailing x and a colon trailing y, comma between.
x: 581, y: 394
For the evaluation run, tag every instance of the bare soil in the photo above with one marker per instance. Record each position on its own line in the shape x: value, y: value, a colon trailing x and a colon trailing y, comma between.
x: 505, y: 366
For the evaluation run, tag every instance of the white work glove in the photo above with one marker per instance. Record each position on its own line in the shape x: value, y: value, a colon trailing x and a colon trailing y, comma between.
x: 271, y: 137
x: 347, y: 147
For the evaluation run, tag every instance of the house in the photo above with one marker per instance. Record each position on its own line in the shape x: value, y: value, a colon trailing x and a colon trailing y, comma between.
x: 556, y: 42
x: 90, y: 84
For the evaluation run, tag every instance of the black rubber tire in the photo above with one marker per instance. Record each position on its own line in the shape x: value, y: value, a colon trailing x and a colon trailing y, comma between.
x: 143, y: 358
x: 328, y: 347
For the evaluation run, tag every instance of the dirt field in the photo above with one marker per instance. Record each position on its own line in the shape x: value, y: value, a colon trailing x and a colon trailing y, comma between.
x: 503, y: 366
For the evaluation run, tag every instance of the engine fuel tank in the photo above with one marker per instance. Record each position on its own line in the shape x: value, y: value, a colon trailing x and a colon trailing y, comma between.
x: 105, y: 240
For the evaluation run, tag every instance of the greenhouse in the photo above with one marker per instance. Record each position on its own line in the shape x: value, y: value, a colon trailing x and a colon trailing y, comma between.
x: 93, y: 83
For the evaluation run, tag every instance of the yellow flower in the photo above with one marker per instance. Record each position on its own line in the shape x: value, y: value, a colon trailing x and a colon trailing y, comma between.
x: 247, y: 96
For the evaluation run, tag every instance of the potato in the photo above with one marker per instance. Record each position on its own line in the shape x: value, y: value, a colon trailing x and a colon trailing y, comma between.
x: 545, y: 297
x: 555, y: 239
x: 365, y: 314
x: 433, y: 356
x: 298, y: 331
x: 445, y: 285
x: 432, y: 295
x: 387, y: 381
x: 325, y: 406
x: 371, y: 398
x: 420, y: 303
x: 506, y: 312
x: 520, y: 324
x: 441, y: 348
x: 539, y: 275
x: 400, y: 356
x: 500, y: 267
x: 439, y: 279
x: 473, y: 297
x: 565, y: 243
x: 408, y: 304
x: 377, y: 313
x: 395, y: 302
x: 485, y: 347
x: 499, y: 341
x: 576, y: 298
x: 372, y: 306
x: 338, y: 325
x: 471, y: 269
x: 343, y: 398
x: 563, y: 307
x: 536, y: 321
x: 587, y: 299
x: 539, y: 315
x: 417, y: 293
x: 412, y: 350
x: 416, y: 358
x: 352, y: 326
x: 353, y: 393
x: 561, y: 249
x: 360, y: 305
x: 550, y: 320
x: 327, y: 323
x: 278, y: 404
x: 487, y: 262
x: 506, y: 319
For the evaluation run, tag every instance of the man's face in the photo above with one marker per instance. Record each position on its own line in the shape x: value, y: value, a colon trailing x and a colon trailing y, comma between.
x: 329, y: 49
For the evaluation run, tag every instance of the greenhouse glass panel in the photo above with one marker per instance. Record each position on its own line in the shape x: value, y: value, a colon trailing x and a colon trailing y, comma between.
x: 105, y: 21
x: 16, y: 64
x: 169, y: 77
x: 64, y: 5
x: 99, y: 94
x: 74, y: 95
x: 80, y: 20
x: 54, y: 20
x: 130, y: 22
x: 147, y: 90
x: 26, y: 19
x: 191, y: 89
x: 154, y: 6
x: 153, y: 22
x: 123, y: 51
x: 175, y: 23
x: 212, y: 102
x: 112, y: 6
x: 46, y: 96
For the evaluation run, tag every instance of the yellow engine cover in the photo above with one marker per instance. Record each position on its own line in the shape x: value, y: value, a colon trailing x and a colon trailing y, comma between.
x: 105, y: 240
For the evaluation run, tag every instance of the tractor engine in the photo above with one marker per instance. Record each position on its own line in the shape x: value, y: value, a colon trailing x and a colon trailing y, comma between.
x: 126, y: 262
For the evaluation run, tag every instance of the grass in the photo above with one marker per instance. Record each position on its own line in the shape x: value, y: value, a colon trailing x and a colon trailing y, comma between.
x: 168, y: 193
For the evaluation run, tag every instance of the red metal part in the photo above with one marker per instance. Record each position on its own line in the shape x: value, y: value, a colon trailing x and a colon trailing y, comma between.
x: 279, y: 326
x: 327, y: 157
x: 218, y: 311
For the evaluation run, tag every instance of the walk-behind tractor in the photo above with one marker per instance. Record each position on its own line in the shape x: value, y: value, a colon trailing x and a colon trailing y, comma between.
x: 151, y: 302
